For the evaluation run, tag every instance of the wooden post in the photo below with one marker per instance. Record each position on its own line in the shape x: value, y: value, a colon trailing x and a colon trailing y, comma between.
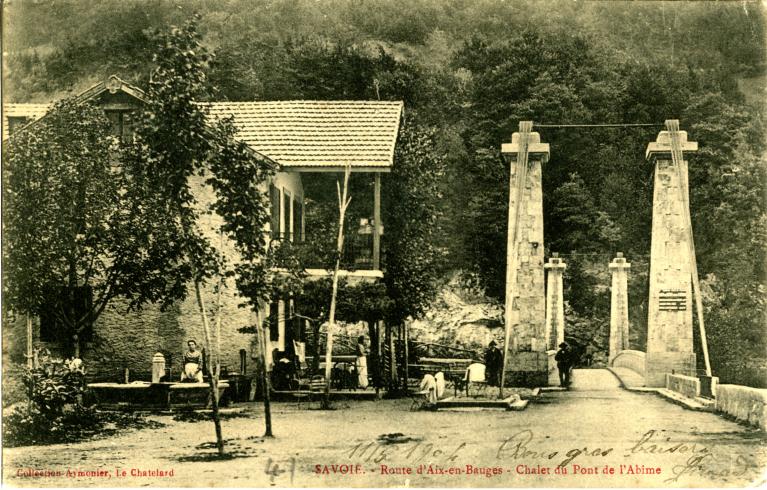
x: 343, y: 203
x: 377, y: 222
x: 379, y: 367
x: 407, y: 356
x: 392, y: 359
x: 30, y: 349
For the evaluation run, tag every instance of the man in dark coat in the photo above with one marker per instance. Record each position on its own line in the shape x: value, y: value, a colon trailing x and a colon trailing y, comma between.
x: 564, y: 358
x: 493, y: 364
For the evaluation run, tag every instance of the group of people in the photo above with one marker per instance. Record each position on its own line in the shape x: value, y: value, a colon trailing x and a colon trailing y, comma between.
x: 565, y: 359
x: 193, y: 364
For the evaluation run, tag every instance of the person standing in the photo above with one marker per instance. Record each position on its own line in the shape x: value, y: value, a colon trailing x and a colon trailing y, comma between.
x: 564, y: 358
x: 362, y: 363
x: 493, y: 364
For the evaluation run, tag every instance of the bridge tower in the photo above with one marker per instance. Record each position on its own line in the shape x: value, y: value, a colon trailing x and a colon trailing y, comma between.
x: 525, y: 359
x: 619, y: 306
x: 669, y: 323
x: 555, y: 304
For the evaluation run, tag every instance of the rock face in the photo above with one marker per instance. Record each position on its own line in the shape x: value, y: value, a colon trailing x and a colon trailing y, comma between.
x: 461, y: 316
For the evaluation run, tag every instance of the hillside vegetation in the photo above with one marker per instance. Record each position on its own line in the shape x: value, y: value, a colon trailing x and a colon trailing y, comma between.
x: 468, y: 71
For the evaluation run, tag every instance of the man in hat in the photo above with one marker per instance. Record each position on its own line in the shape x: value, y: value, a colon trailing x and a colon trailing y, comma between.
x: 493, y: 364
x: 564, y: 360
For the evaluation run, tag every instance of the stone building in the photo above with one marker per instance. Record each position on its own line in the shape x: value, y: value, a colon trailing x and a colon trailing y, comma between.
x: 302, y: 138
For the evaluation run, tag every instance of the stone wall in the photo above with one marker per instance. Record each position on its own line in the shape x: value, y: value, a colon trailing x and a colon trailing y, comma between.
x: 128, y: 339
x: 688, y: 386
x: 744, y: 403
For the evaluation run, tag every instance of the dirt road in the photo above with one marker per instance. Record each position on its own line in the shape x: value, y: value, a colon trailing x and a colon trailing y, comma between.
x: 594, y: 435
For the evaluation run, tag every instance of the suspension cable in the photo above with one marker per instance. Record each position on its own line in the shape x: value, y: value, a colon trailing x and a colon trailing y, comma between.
x: 606, y: 125
x: 677, y: 156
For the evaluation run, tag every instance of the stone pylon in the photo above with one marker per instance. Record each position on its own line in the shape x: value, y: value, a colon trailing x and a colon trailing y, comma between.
x: 555, y: 306
x: 619, y: 306
x: 527, y: 363
x: 669, y: 323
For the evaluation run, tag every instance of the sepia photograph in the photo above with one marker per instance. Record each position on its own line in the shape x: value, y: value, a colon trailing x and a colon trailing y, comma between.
x: 384, y: 243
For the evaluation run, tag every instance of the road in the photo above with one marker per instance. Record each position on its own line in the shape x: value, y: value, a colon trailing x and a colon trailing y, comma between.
x: 597, y: 433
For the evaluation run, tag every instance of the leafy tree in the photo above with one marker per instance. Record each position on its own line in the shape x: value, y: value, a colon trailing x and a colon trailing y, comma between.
x: 180, y: 154
x: 580, y: 225
x: 66, y: 219
x: 411, y: 214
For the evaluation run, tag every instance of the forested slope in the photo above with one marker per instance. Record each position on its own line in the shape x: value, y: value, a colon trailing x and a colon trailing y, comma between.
x: 469, y: 71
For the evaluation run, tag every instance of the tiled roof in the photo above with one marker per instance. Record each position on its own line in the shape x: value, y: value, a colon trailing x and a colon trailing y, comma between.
x: 31, y: 111
x: 301, y: 133
x: 318, y: 134
x: 34, y: 112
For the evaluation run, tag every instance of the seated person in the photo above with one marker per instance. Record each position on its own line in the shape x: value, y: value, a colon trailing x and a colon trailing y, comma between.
x: 283, y: 372
x: 439, y: 379
x: 429, y: 385
x: 192, y: 363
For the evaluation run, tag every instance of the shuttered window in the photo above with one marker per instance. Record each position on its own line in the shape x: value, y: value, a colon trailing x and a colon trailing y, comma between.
x: 52, y: 327
x: 274, y: 321
x: 286, y: 210
x: 274, y: 197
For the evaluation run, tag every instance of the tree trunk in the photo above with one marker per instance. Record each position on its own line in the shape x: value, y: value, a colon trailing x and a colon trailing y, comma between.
x: 343, y: 203
x: 264, y: 376
x: 316, y: 359
x: 213, y: 380
x: 30, y: 348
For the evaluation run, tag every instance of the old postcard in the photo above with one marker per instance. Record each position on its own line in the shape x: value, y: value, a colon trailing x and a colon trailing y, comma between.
x: 396, y: 243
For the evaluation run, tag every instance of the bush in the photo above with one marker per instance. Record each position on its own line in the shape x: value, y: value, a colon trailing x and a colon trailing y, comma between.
x: 55, y: 413
x: 54, y: 385
x: 14, y: 391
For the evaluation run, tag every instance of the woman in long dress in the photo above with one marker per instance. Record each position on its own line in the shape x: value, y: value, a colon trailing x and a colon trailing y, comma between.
x: 362, y: 363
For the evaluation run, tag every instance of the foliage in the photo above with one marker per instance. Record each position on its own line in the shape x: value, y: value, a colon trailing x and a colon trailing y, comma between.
x: 55, y: 412
x: 411, y: 213
x: 25, y: 427
x: 55, y: 384
x: 579, y: 223
x: 66, y: 219
x: 469, y: 80
x: 178, y: 151
x: 364, y: 301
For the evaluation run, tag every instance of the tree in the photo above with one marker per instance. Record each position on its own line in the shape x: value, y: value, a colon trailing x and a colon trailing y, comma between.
x: 412, y: 214
x: 181, y: 158
x: 344, y: 199
x: 66, y: 218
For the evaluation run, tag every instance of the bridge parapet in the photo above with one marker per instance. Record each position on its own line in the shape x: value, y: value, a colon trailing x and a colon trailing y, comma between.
x: 688, y: 386
x: 630, y: 359
x: 744, y: 403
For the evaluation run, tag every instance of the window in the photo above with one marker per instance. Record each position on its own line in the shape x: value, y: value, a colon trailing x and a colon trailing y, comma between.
x: 274, y: 321
x: 52, y: 328
x: 122, y: 124
x: 298, y: 216
x: 243, y: 361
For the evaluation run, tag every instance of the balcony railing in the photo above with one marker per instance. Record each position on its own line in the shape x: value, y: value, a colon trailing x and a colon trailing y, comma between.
x: 317, y: 252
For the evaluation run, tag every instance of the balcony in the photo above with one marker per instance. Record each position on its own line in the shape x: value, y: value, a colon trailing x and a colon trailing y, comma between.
x: 317, y: 254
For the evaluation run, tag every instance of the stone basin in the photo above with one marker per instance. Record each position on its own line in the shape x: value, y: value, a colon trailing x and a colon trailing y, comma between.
x: 143, y: 395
